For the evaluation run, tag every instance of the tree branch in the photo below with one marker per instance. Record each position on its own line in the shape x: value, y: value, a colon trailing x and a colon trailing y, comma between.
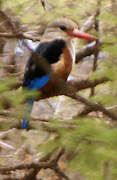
x: 94, y: 106
x: 21, y: 166
x: 52, y: 164
x: 86, y: 51
x: 60, y: 173
x: 19, y: 35
x: 6, y: 146
x: 84, y: 84
x: 96, y: 52
x: 9, y: 23
x: 64, y: 89
x: 89, y: 23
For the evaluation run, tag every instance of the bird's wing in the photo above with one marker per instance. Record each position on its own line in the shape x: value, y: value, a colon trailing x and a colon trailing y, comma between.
x: 35, y: 76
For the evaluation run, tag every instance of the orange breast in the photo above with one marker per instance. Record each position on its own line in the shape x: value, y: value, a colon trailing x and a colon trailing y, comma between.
x: 62, y: 69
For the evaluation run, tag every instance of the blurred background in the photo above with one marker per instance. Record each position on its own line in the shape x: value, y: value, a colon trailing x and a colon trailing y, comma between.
x: 81, y: 139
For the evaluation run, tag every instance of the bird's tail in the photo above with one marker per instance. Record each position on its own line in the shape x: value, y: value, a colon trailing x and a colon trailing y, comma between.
x: 25, y: 121
x: 35, y: 84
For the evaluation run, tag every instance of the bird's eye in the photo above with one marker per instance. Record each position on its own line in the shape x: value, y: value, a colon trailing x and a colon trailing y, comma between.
x: 63, y: 28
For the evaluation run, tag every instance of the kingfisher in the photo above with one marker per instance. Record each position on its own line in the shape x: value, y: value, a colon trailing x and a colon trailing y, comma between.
x: 57, y: 47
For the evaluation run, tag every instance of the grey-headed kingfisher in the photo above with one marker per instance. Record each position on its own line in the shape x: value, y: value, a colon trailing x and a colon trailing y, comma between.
x: 57, y: 46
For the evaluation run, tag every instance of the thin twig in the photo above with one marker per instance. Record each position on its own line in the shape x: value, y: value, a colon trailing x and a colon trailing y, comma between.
x: 60, y: 173
x: 19, y: 35
x: 43, y: 4
x: 8, y: 21
x: 6, y: 133
x: 96, y: 52
x: 6, y: 146
x: 89, y: 23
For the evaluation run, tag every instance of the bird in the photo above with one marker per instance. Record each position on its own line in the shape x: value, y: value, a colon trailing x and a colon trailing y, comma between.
x: 57, y: 47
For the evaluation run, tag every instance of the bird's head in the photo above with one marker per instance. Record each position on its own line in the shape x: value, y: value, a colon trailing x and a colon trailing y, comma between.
x: 67, y: 29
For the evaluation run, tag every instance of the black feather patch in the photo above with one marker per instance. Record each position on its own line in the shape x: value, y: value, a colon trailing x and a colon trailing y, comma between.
x: 51, y: 51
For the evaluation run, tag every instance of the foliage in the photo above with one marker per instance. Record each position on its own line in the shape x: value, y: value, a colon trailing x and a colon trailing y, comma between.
x: 90, y: 144
x: 90, y: 141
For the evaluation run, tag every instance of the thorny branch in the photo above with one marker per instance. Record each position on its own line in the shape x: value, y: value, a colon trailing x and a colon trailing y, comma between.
x: 96, y: 52
x: 52, y: 164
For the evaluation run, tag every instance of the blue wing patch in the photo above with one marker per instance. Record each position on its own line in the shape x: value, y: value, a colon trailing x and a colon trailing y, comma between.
x: 39, y: 83
x: 34, y: 84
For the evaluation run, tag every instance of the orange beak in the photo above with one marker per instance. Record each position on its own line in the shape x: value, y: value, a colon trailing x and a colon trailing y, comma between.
x: 78, y: 34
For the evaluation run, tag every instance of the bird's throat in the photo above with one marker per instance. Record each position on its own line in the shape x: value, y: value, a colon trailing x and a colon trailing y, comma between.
x: 72, y: 49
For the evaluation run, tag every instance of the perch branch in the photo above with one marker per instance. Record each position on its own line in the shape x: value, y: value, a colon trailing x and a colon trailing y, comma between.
x: 65, y: 89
